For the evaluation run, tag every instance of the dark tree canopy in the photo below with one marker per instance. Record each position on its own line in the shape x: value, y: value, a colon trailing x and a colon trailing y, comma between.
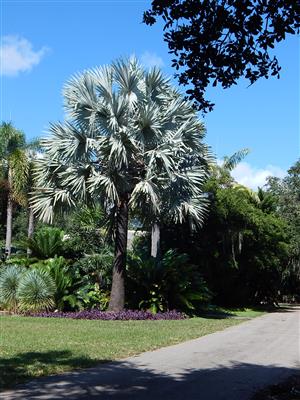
x: 218, y: 41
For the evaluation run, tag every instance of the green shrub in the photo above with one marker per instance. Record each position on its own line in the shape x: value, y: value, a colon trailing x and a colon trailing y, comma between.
x: 57, y: 268
x: 97, y: 265
x: 92, y: 277
x: 23, y: 261
x: 92, y: 296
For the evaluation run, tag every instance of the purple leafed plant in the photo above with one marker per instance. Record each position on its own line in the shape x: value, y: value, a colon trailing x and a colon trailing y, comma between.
x: 109, y: 316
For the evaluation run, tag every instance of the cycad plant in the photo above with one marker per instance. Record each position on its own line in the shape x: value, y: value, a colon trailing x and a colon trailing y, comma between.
x: 131, y: 143
x: 171, y: 283
x: 46, y: 242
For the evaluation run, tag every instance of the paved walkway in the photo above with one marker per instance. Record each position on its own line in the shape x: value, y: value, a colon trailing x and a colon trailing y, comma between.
x: 227, y: 365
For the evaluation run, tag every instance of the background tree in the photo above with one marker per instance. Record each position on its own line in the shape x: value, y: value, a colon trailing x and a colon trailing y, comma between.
x: 128, y: 138
x: 170, y: 193
x: 219, y: 41
x: 242, y: 249
x: 14, y: 168
x: 285, y: 194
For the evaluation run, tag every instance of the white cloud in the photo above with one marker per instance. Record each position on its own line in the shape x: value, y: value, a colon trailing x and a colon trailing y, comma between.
x: 253, y: 177
x: 150, y: 60
x: 17, y: 55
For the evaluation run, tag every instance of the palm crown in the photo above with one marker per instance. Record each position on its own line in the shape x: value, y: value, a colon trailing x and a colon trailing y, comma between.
x: 13, y: 160
x: 14, y: 172
x: 128, y: 131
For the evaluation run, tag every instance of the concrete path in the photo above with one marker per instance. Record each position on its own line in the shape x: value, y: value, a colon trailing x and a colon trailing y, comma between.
x: 227, y: 365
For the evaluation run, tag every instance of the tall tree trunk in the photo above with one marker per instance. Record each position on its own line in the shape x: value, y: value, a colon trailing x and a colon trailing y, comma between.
x: 9, y: 216
x: 117, y: 295
x: 30, y: 228
x: 155, y: 240
x: 9, y: 226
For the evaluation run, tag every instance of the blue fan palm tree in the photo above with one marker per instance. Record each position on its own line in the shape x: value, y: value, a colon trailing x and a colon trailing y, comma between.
x: 131, y: 143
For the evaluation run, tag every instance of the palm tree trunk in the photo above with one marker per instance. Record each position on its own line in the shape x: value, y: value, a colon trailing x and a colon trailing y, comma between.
x: 8, y: 226
x: 9, y: 217
x: 117, y: 295
x: 155, y: 239
x: 30, y: 228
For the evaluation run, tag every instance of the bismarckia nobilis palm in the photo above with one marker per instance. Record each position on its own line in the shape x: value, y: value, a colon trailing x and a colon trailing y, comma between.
x: 131, y: 143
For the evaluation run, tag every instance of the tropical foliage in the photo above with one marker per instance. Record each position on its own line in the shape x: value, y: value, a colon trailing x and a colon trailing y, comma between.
x: 172, y: 283
x: 284, y: 195
x: 242, y: 250
x: 131, y: 154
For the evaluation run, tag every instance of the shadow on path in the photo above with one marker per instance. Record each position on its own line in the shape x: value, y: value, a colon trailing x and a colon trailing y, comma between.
x: 126, y: 380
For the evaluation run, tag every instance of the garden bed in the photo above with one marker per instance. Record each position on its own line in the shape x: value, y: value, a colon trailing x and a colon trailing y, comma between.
x: 125, y: 315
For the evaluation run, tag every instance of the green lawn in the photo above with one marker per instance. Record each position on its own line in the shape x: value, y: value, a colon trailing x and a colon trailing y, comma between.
x: 244, y: 312
x: 220, y: 312
x: 31, y: 347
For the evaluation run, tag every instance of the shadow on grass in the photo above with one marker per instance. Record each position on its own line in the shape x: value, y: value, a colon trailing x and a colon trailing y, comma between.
x: 26, y: 366
x: 216, y: 312
x: 219, y: 313
x: 135, y: 381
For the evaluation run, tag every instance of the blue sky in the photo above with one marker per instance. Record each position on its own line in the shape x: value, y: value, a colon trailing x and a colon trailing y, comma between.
x: 45, y: 42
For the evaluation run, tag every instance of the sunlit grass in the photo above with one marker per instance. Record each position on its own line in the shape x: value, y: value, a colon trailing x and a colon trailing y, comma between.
x: 32, y: 347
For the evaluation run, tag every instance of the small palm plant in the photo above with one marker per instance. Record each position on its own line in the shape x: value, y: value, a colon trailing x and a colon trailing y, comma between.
x: 130, y: 143
x: 26, y: 290
x: 36, y: 291
x: 9, y: 281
